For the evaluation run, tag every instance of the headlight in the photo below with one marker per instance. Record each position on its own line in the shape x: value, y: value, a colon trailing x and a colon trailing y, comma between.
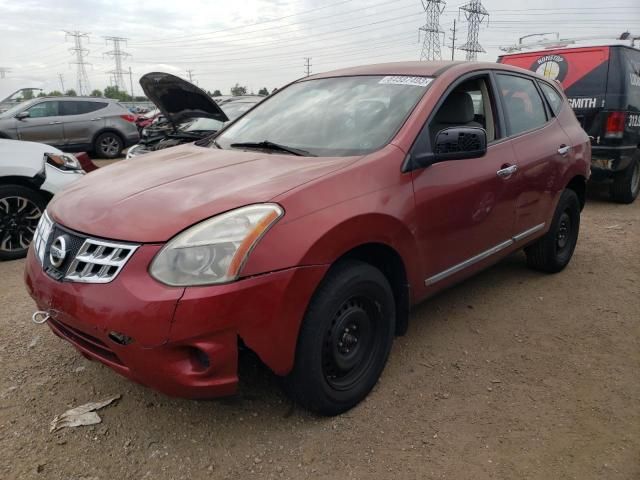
x: 215, y: 250
x: 63, y: 161
x: 136, y: 150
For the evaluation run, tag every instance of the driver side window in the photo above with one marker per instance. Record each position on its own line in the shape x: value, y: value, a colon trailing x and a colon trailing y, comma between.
x: 44, y: 109
x: 468, y: 105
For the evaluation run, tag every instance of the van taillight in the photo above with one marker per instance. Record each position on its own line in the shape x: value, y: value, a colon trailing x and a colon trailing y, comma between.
x: 128, y: 118
x: 615, y: 125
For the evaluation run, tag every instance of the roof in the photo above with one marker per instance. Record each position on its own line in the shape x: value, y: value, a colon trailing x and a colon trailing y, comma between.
x: 101, y: 99
x: 421, y: 69
x: 424, y: 69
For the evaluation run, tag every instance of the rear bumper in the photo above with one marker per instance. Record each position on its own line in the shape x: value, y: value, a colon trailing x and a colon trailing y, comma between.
x: 607, y: 161
x: 183, y: 341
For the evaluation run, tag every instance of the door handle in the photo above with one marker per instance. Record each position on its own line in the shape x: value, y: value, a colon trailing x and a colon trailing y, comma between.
x: 55, y: 123
x: 96, y: 119
x: 564, y: 149
x: 506, y: 172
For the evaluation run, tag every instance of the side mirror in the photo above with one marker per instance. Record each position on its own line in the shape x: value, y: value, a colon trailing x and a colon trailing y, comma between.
x: 458, y: 143
x: 23, y: 115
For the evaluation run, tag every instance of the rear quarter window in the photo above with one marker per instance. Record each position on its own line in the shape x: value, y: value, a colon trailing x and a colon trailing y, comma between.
x: 552, y: 96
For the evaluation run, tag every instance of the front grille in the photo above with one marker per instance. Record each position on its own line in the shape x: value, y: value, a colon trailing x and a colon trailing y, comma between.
x: 85, y: 259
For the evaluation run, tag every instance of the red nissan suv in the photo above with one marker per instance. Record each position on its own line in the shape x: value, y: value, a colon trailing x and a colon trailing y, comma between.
x: 307, y: 228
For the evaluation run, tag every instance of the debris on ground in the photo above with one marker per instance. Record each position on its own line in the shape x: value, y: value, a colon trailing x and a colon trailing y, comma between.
x: 82, y: 415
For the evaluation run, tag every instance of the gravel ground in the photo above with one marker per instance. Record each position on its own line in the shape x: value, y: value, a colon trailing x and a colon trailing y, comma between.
x: 510, y: 375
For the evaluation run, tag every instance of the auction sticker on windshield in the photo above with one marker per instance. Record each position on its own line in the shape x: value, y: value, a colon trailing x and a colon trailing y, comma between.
x: 405, y: 80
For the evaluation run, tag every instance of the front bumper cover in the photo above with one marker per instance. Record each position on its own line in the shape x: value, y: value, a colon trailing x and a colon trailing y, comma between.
x: 182, y: 342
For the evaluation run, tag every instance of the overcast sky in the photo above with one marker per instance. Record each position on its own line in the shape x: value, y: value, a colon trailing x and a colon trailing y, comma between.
x: 263, y: 43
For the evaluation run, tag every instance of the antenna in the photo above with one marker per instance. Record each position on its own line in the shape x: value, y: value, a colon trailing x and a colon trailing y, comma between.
x: 117, y: 54
x: 80, y: 53
x: 431, y: 45
x: 475, y: 13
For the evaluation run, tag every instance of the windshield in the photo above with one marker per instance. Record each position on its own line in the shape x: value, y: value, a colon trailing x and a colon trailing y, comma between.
x: 203, y: 124
x: 234, y: 109
x: 331, y: 116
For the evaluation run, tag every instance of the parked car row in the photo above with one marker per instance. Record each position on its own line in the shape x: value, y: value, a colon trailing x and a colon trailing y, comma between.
x: 307, y: 228
x: 73, y: 124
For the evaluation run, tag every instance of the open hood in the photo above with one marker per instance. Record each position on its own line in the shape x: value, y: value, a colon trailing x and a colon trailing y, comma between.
x: 179, y: 100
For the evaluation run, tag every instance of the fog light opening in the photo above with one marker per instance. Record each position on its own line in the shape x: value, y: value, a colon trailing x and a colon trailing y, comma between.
x: 199, y: 358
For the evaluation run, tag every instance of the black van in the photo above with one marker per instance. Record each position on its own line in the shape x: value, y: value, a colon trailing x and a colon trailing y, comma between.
x: 603, y: 86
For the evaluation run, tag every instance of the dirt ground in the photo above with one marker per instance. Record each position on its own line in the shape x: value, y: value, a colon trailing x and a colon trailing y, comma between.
x: 510, y: 375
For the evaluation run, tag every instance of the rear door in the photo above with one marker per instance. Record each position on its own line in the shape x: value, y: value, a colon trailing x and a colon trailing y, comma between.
x: 541, y: 146
x: 44, y: 124
x: 82, y: 120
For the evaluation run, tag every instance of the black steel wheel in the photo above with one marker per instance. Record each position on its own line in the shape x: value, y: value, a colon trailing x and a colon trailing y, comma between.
x: 20, y: 212
x: 108, y: 145
x: 344, y: 340
x: 552, y: 252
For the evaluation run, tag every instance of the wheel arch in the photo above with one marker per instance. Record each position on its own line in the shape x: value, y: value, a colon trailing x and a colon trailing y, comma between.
x: 579, y: 185
x: 386, y: 259
x: 29, y: 182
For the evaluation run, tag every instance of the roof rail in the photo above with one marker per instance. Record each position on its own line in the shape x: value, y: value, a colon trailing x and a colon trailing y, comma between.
x: 625, y: 38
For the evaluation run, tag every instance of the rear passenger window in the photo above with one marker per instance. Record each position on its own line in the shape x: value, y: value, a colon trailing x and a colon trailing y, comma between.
x: 78, y: 107
x: 553, y: 97
x: 522, y: 104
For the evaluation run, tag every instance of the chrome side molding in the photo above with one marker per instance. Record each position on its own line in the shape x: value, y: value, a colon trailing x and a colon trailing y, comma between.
x: 481, y: 256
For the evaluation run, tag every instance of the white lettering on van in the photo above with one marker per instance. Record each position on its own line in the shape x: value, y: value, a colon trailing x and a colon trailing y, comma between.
x: 634, y: 79
x: 580, y: 103
x: 634, y: 120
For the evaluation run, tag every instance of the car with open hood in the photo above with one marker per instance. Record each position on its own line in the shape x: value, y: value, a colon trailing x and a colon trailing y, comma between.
x: 179, y: 122
x: 307, y: 228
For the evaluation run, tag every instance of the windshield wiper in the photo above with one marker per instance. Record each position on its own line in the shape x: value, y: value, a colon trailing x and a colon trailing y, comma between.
x: 266, y: 144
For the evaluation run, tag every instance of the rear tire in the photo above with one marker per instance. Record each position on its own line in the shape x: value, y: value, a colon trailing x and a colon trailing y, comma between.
x: 20, y: 210
x: 344, y: 340
x: 552, y: 252
x: 108, y: 145
x: 626, y: 184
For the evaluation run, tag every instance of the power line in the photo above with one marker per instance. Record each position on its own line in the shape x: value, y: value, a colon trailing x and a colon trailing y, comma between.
x: 80, y: 53
x: 4, y: 71
x: 307, y: 66
x: 475, y: 13
x: 432, y: 32
x: 117, y: 54
x: 190, y: 73
x: 61, y: 77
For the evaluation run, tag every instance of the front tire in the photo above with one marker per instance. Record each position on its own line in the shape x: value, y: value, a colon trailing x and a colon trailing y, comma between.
x: 344, y: 340
x: 20, y: 212
x: 626, y: 184
x: 552, y: 252
x: 108, y: 145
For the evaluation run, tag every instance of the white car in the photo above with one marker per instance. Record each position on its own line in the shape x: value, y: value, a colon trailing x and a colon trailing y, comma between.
x: 30, y: 174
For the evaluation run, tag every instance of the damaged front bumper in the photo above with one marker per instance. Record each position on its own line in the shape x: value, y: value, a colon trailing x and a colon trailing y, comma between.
x: 182, y: 342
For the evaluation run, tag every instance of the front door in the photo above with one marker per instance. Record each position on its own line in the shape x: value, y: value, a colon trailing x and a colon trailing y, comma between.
x: 44, y: 124
x: 465, y: 208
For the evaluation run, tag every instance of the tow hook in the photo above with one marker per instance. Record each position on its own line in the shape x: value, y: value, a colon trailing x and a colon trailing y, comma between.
x: 40, y: 317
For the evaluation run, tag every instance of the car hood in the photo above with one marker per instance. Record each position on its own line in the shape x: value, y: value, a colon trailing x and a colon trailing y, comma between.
x: 155, y: 196
x: 178, y: 99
